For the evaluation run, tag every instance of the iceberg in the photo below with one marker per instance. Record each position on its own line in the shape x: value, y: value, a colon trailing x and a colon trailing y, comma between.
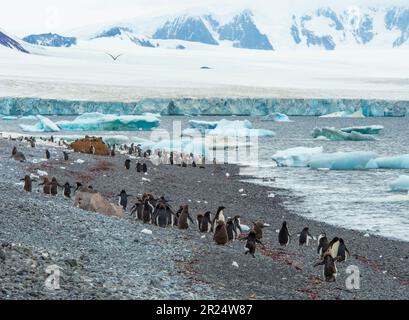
x: 9, y: 118
x: 227, y: 128
x: 202, y: 126
x: 45, y: 125
x: 400, y: 184
x: 343, y: 161
x: 395, y: 162
x: 344, y: 114
x: 296, y: 157
x: 102, y: 122
x: 375, y: 129
x: 277, y: 117
x: 338, y: 135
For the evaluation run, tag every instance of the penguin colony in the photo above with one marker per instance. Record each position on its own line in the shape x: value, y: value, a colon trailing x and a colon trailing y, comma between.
x: 157, y: 211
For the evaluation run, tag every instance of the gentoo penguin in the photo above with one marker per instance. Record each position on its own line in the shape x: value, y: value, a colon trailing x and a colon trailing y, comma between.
x: 65, y: 153
x: 218, y: 217
x: 127, y: 164
x: 138, y: 167
x: 220, y: 235
x: 322, y: 244
x: 54, y: 186
x: 28, y: 185
x: 46, y: 185
x: 184, y: 218
x: 47, y: 154
x: 333, y: 247
x: 67, y: 190
x: 284, y: 235
x: 258, y: 229
x: 206, y: 224
x: 343, y: 252
x: 251, y: 243
x: 305, y: 236
x: 330, y: 268
x: 123, y: 199
x: 199, y: 219
x: 144, y: 168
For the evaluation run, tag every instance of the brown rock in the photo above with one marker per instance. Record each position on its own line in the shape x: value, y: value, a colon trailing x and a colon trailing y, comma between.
x: 91, y: 146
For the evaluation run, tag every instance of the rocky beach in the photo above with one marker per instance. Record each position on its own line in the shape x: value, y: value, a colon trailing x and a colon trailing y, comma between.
x: 104, y: 257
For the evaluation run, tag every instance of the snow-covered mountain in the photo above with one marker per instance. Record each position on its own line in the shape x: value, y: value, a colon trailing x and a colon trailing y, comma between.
x: 125, y: 34
x: 50, y: 40
x: 11, y: 42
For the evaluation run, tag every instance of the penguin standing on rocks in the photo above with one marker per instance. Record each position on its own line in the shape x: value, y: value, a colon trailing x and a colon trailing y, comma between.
x: 258, y: 229
x: 305, y: 237
x: 251, y: 243
x: 138, y: 167
x: 177, y: 215
x: 220, y: 235
x: 65, y: 153
x: 333, y: 247
x: 32, y: 143
x: 67, y: 190
x: 284, y: 235
x: 231, y: 230
x: 330, y: 268
x: 137, y: 209
x: 28, y: 183
x: 218, y: 217
x: 54, y: 186
x: 147, y: 211
x: 14, y: 151
x: 163, y: 214
x: 171, y: 158
x: 323, y: 244
x: 123, y: 199
x: 127, y: 164
x: 46, y: 185
x: 343, y: 252
x: 144, y: 168
x: 47, y: 154
x: 237, y: 226
x: 113, y: 151
x: 199, y: 220
x: 206, y: 224
x: 184, y: 218
x: 18, y: 156
x: 92, y: 150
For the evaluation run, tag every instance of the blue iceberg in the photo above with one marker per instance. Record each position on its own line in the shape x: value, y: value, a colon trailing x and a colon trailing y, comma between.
x: 345, y: 114
x: 227, y: 128
x: 202, y: 126
x: 277, y: 117
x: 400, y: 184
x: 108, y: 122
x: 296, y: 157
x: 375, y: 129
x: 45, y: 125
x: 343, y: 161
x: 338, y: 135
x: 394, y: 162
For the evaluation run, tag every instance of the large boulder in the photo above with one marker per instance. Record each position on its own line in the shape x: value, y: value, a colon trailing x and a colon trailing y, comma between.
x: 95, y: 202
x: 85, y: 146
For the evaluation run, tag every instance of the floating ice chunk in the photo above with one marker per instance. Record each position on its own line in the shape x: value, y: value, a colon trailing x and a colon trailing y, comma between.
x: 395, y: 162
x: 227, y: 128
x: 400, y: 184
x: 28, y: 118
x: 375, y: 129
x: 338, y: 135
x: 9, y: 118
x: 146, y: 231
x: 45, y: 125
x: 342, y: 160
x: 202, y: 126
x: 345, y: 114
x: 296, y: 157
x: 108, y: 122
x: 277, y: 117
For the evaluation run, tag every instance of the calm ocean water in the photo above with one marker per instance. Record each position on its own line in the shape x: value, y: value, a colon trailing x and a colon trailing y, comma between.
x: 358, y: 200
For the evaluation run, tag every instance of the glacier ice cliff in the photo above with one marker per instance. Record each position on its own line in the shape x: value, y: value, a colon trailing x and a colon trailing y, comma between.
x: 206, y: 106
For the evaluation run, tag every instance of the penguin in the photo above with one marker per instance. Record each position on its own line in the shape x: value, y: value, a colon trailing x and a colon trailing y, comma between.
x: 123, y: 199
x: 147, y: 212
x: 127, y: 164
x: 206, y: 224
x: 322, y: 244
x: 19, y: 156
x: 284, y: 235
x: 199, y: 219
x: 137, y: 209
x: 184, y: 218
x: 194, y: 165
x: 333, y: 247
x: 79, y: 185
x: 144, y: 168
x: 258, y: 229
x: 251, y: 243
x: 65, y: 153
x: 177, y: 215
x: 171, y: 158
x: 92, y: 150
x: 218, y: 217
x: 231, y: 230
x: 237, y: 226
x: 163, y: 214
x: 47, y: 154
x: 32, y: 143
x: 54, y: 186
x: 113, y: 151
x: 52, y: 139
x: 46, y: 185
x: 67, y: 190
x: 14, y: 151
x: 220, y: 235
x: 305, y: 237
x: 343, y: 252
x: 28, y: 185
x: 330, y: 268
x: 138, y: 167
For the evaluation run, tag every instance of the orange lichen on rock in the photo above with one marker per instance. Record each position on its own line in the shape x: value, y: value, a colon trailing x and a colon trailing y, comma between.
x: 87, y: 145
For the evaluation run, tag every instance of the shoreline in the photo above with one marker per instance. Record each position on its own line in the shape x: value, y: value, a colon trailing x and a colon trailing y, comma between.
x: 203, y: 268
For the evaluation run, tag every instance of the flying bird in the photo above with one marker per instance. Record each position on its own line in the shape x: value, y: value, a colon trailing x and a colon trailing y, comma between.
x: 114, y: 57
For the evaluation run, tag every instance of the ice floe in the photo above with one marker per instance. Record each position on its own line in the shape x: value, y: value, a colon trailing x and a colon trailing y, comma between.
x: 277, y: 117
x: 44, y: 125
x: 393, y: 162
x: 296, y: 157
x: 334, y: 134
x: 343, y: 160
x: 400, y: 184
x: 375, y: 129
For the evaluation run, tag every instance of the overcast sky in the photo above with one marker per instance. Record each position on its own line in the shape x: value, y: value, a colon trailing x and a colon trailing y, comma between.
x: 22, y: 17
